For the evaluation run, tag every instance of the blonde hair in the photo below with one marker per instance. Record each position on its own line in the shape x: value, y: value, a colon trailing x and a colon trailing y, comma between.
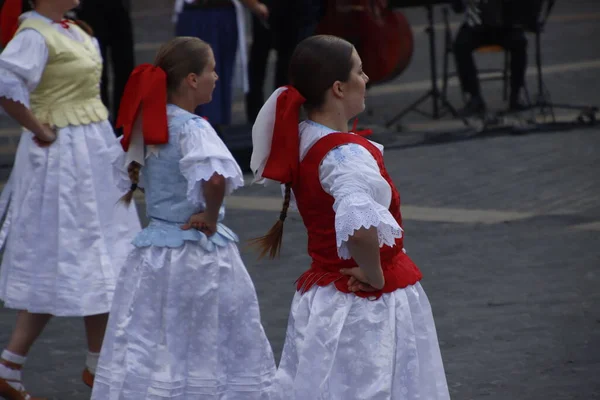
x: 133, y: 170
x: 178, y: 58
x: 271, y: 242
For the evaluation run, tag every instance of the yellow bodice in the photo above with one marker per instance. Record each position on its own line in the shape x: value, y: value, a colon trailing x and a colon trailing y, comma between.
x: 69, y: 90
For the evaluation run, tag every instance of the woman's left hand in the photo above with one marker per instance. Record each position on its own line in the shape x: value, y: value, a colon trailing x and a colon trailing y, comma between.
x: 199, y: 222
x: 357, y: 280
x: 45, y: 137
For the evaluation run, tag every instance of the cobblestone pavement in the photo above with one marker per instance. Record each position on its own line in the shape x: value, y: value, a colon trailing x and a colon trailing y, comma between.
x: 505, y: 228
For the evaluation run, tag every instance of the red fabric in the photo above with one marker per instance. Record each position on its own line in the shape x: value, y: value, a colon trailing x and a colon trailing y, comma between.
x: 363, y: 132
x: 316, y: 209
x: 9, y: 20
x: 64, y: 23
x: 282, y: 164
x: 145, y: 92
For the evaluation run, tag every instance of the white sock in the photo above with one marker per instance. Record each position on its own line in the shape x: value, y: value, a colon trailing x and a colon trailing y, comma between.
x: 91, y: 362
x: 13, y: 376
x: 13, y: 358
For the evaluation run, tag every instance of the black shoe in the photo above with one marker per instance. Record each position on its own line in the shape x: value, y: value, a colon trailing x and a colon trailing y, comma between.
x: 475, y: 106
x: 516, y: 105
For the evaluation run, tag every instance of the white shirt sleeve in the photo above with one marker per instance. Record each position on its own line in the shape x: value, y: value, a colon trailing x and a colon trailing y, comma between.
x: 205, y: 154
x: 21, y: 65
x: 362, y: 196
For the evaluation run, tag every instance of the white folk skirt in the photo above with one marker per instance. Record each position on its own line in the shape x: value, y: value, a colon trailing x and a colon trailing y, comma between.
x: 185, y: 325
x: 341, y: 346
x: 65, y: 234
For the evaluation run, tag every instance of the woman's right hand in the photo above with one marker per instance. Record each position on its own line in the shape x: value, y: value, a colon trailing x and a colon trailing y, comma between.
x: 261, y: 11
x: 200, y: 222
x: 359, y: 282
x: 45, y: 137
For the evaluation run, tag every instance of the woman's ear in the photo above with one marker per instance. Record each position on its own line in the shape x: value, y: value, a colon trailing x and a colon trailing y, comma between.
x: 192, y: 80
x: 338, y: 89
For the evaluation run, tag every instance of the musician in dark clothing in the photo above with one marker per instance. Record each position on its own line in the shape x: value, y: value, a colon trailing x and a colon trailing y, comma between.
x: 262, y: 43
x: 489, y: 22
x: 111, y: 22
x: 289, y: 23
x: 292, y: 22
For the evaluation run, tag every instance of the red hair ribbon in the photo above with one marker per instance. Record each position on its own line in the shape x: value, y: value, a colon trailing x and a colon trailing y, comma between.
x: 145, y: 92
x: 284, y: 157
x: 363, y: 132
x: 9, y: 20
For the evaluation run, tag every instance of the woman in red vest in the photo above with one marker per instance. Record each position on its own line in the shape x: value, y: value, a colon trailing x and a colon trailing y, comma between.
x: 360, y: 325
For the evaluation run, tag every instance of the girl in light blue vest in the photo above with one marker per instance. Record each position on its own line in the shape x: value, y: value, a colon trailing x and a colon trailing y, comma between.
x: 185, y: 321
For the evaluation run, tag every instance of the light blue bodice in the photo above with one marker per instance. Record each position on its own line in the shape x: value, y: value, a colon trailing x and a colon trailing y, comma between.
x: 165, y: 188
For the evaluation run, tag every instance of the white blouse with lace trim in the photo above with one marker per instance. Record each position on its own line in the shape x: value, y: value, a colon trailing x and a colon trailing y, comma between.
x: 23, y: 60
x: 205, y: 154
x: 350, y: 174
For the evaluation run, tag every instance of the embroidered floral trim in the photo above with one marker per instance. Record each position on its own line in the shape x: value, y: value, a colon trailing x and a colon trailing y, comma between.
x: 204, y: 170
x: 13, y: 89
x: 359, y: 211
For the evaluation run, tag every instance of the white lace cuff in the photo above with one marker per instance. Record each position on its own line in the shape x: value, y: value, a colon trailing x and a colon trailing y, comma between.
x: 205, y: 154
x: 13, y: 88
x: 201, y: 171
x: 356, y: 211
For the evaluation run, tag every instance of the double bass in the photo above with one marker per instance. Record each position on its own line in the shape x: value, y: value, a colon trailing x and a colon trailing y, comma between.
x: 382, y: 37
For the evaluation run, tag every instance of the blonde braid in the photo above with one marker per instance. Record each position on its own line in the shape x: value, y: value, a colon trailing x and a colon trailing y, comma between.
x: 133, y: 170
x: 271, y: 242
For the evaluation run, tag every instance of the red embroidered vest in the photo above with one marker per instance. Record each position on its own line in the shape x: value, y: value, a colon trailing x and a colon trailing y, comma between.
x: 316, y: 209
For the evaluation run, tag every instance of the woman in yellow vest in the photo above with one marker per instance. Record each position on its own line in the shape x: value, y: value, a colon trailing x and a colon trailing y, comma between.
x: 65, y: 237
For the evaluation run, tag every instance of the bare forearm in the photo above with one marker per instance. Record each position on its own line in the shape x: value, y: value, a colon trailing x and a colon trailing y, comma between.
x: 364, y: 249
x: 22, y: 115
x: 214, y: 192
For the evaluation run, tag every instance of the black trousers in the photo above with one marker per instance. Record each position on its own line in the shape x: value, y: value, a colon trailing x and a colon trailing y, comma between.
x: 111, y: 22
x: 285, y: 44
x: 469, y: 38
x: 262, y: 43
x: 293, y: 21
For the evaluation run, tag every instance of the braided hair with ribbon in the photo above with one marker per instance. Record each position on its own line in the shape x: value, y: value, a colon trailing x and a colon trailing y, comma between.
x: 143, y: 109
x: 316, y: 64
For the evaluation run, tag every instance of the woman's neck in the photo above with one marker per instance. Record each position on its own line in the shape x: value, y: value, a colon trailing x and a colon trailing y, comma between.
x: 332, y: 120
x: 46, y: 10
x: 183, y: 102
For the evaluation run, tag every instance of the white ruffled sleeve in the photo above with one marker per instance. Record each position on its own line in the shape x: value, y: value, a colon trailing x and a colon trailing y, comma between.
x: 362, y: 196
x: 22, y: 63
x: 205, y: 154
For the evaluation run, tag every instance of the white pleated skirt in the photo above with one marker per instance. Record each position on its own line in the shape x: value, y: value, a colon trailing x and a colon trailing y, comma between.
x: 65, y: 235
x: 339, y: 346
x: 185, y: 324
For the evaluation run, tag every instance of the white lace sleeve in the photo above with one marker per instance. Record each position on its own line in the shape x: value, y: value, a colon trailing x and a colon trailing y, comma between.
x: 22, y: 63
x: 362, y: 196
x: 205, y: 154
